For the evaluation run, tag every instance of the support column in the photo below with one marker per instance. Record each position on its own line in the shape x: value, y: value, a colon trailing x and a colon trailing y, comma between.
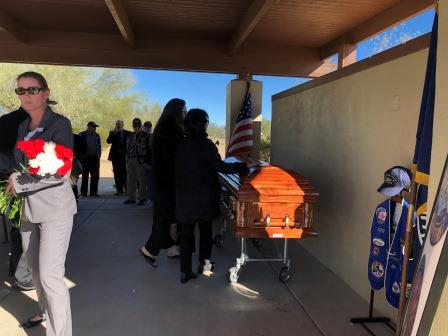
x: 236, y: 91
x: 347, y: 55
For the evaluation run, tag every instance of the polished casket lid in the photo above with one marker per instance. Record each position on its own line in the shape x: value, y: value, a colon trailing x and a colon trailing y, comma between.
x: 268, y: 183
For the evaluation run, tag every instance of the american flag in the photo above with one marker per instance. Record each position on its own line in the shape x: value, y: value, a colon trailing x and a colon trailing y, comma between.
x: 241, y: 141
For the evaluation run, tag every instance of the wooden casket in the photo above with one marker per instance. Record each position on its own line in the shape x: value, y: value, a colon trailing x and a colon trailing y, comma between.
x: 269, y: 202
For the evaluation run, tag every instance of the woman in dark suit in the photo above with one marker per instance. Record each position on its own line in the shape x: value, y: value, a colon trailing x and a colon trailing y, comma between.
x: 197, y: 163
x: 49, y: 207
x: 166, y: 137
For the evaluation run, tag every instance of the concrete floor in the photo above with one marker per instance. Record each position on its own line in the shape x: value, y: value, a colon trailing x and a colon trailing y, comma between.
x: 115, y: 292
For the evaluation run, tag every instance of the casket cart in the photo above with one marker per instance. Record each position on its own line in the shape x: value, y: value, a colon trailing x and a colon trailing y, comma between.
x: 268, y: 203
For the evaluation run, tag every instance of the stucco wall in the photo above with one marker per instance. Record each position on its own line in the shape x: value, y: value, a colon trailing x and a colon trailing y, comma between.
x: 343, y: 135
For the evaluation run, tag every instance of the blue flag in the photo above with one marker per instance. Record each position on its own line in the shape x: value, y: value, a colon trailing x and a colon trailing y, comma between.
x: 422, y: 154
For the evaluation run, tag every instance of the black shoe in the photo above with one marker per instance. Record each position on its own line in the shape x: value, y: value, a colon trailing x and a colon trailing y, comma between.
x: 83, y: 195
x: 152, y: 261
x: 202, y: 266
x: 118, y: 193
x: 141, y: 202
x: 24, y: 286
x: 185, y: 277
x: 94, y: 195
x: 29, y: 323
x: 129, y: 202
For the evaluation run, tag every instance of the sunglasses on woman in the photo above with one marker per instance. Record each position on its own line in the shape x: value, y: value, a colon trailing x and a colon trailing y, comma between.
x: 31, y: 90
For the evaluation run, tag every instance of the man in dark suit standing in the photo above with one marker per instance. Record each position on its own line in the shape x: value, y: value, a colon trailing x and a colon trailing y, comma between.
x: 117, y: 154
x: 9, y: 124
x: 91, y: 161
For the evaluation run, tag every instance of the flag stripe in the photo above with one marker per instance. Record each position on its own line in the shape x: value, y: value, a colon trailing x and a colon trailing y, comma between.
x: 241, y: 144
x: 247, y: 135
x: 242, y: 150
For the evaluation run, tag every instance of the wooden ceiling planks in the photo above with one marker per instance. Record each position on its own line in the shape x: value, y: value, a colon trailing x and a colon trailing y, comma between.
x: 225, y: 29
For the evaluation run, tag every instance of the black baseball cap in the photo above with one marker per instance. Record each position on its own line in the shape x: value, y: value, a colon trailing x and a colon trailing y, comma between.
x: 395, y: 180
x: 92, y: 124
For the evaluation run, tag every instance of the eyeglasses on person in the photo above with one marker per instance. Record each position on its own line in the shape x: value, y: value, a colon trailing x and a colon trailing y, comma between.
x: 31, y: 90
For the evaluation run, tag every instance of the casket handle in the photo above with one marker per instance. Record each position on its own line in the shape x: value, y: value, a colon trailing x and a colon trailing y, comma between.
x: 286, y: 220
x: 268, y: 220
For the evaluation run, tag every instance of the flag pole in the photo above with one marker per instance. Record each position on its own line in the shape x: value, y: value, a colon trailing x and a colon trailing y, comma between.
x: 407, y: 253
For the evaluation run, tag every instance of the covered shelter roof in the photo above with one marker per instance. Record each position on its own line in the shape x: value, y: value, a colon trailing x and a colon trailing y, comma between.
x: 271, y: 37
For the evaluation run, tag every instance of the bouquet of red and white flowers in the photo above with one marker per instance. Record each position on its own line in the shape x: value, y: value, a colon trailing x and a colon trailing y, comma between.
x: 43, y: 159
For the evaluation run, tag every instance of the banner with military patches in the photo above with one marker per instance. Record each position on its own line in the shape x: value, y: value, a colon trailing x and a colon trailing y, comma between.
x: 379, y: 245
x: 395, y: 260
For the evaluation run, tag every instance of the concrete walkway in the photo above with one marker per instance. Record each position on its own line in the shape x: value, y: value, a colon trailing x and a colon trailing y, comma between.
x: 115, y: 292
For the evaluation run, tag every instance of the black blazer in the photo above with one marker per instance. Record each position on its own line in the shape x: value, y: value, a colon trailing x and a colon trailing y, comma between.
x: 118, y: 141
x: 9, y: 124
x: 197, y: 163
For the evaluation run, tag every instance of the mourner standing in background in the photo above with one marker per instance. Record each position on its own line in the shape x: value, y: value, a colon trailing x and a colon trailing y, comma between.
x: 49, y: 207
x: 91, y: 161
x: 79, y: 151
x: 18, y: 266
x: 147, y: 127
x: 165, y: 139
x: 196, y: 166
x: 117, y: 154
x: 138, y: 155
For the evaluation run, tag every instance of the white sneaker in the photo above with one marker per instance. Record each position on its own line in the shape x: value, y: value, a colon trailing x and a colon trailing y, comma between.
x: 173, y: 251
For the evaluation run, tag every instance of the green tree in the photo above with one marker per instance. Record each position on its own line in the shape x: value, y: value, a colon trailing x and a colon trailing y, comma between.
x: 265, y: 146
x: 99, y: 94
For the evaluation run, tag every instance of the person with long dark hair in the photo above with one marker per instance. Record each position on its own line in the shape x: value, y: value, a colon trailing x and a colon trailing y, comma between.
x: 49, y: 207
x: 196, y: 165
x: 166, y: 137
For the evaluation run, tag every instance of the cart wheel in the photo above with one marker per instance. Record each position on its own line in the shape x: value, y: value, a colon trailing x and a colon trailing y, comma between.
x: 218, y: 241
x: 233, y: 275
x: 285, y: 274
x: 257, y: 242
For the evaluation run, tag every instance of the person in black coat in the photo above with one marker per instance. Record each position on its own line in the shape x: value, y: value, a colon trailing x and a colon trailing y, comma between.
x: 196, y: 165
x: 117, y: 154
x: 79, y: 151
x: 9, y: 124
x: 166, y: 137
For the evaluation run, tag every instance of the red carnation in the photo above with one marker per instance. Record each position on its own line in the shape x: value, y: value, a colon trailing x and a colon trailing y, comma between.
x: 32, y: 170
x: 31, y: 148
x: 66, y: 155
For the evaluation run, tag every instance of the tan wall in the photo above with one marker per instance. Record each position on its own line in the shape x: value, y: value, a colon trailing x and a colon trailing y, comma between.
x: 343, y: 135
x: 440, y: 144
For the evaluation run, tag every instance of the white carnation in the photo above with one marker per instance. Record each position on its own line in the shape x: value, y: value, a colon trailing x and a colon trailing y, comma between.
x: 47, y: 160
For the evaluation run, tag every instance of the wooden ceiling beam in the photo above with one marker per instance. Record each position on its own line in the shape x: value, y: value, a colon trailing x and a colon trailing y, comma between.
x: 253, y: 15
x: 121, y: 18
x: 393, y: 15
x: 12, y: 27
x: 86, y: 49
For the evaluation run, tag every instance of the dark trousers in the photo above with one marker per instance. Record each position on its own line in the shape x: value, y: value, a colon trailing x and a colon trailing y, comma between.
x: 119, y: 167
x: 148, y: 174
x: 16, y: 250
x: 160, y: 237
x: 187, y: 243
x: 90, y: 165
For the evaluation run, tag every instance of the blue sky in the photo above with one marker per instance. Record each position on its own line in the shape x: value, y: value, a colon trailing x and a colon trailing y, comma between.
x: 208, y: 90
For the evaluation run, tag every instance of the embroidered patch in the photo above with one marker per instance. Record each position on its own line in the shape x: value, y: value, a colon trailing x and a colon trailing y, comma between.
x: 376, y: 250
x: 378, y: 242
x: 381, y: 215
x: 396, y: 288
x: 380, y: 230
x: 377, y: 269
